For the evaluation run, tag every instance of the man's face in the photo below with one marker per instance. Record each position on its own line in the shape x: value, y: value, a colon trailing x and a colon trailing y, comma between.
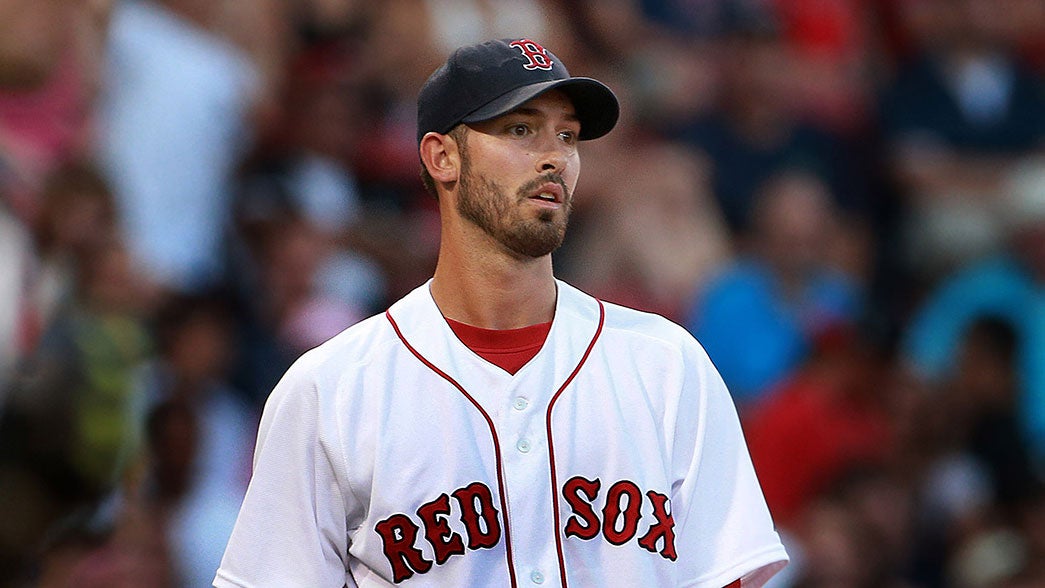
x: 518, y: 173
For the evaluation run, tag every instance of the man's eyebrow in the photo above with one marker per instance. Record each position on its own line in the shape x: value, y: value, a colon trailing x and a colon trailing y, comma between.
x: 527, y: 111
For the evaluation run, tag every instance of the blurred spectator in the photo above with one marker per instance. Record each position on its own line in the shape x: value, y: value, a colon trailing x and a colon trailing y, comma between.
x: 834, y: 547
x: 132, y: 550
x: 306, y: 314
x: 985, y: 385
x: 99, y: 338
x: 1008, y: 285
x: 200, y: 433
x: 656, y: 260
x: 886, y: 503
x: 832, y: 42
x: 829, y: 41
x: 307, y: 171
x: 646, y: 231
x: 286, y: 308
x: 818, y: 425
x: 174, y: 126
x: 394, y: 71
x: 759, y: 317
x: 41, y: 488
x: 965, y: 94
x: 755, y: 129
x: 366, y: 65
x: 858, y: 533
x: 40, y: 272
x: 957, y: 115
x: 71, y: 428
x: 979, y: 472
x: 50, y: 53
x: 77, y: 213
x: 988, y: 551
x: 322, y: 120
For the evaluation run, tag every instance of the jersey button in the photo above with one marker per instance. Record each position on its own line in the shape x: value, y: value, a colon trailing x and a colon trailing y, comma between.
x: 537, y: 577
x: 520, y: 403
x: 523, y: 446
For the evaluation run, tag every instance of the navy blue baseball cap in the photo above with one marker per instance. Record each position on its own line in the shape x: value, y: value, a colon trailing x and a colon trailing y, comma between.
x: 486, y: 80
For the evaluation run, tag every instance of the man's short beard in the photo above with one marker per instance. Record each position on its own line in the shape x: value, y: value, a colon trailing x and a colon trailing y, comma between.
x: 487, y: 205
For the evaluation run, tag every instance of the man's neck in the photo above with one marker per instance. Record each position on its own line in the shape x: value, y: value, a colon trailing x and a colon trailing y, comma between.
x: 493, y: 290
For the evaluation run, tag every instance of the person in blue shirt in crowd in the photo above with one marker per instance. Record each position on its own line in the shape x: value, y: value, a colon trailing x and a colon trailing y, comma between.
x: 1009, y: 285
x: 780, y: 294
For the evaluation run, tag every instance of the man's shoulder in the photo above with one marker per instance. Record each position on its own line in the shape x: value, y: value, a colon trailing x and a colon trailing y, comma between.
x: 356, y: 344
x: 641, y: 323
x: 629, y: 323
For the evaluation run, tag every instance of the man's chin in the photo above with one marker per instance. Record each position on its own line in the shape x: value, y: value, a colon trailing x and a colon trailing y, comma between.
x: 538, y: 245
x: 548, y: 215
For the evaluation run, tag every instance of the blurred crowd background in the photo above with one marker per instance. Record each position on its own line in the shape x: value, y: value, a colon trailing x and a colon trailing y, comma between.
x: 844, y: 200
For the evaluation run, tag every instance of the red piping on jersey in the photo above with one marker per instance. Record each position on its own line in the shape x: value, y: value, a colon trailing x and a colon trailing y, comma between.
x: 551, y: 447
x: 493, y: 434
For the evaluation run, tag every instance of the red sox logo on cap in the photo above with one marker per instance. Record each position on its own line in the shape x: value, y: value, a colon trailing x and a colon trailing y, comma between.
x: 536, y: 56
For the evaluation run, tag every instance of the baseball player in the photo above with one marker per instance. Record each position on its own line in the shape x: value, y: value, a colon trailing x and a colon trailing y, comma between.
x: 497, y: 427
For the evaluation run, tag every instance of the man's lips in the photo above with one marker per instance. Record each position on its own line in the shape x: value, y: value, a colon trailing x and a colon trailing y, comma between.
x: 550, y: 192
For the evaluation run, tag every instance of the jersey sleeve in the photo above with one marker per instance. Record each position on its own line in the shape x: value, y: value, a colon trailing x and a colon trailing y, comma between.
x: 291, y: 529
x: 724, y: 530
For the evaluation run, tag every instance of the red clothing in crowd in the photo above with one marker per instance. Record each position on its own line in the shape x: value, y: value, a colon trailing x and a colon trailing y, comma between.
x: 804, y: 436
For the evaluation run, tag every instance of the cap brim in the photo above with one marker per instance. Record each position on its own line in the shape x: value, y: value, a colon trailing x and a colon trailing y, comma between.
x: 596, y: 105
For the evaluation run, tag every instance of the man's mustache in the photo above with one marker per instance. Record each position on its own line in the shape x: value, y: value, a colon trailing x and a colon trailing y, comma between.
x: 536, y: 183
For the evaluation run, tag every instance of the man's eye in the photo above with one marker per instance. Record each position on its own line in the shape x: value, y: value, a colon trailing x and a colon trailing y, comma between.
x: 568, y: 137
x: 519, y: 129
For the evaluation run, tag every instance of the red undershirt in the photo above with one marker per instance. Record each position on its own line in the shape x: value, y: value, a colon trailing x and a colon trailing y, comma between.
x: 508, y: 349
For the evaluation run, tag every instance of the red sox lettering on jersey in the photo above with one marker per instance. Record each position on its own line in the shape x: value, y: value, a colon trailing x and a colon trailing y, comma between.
x: 619, y: 524
x: 579, y: 492
x: 399, y: 532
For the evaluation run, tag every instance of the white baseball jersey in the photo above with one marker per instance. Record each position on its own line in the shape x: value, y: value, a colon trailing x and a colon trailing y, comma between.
x: 394, y: 455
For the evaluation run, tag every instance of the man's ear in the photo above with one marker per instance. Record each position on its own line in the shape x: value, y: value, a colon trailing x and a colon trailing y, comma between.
x: 440, y: 156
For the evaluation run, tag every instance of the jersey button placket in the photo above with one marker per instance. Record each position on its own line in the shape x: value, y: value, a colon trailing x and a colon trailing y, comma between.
x: 519, y: 404
x: 526, y: 471
x: 523, y: 446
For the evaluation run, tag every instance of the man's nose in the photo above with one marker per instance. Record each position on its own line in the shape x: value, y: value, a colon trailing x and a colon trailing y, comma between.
x: 553, y: 156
